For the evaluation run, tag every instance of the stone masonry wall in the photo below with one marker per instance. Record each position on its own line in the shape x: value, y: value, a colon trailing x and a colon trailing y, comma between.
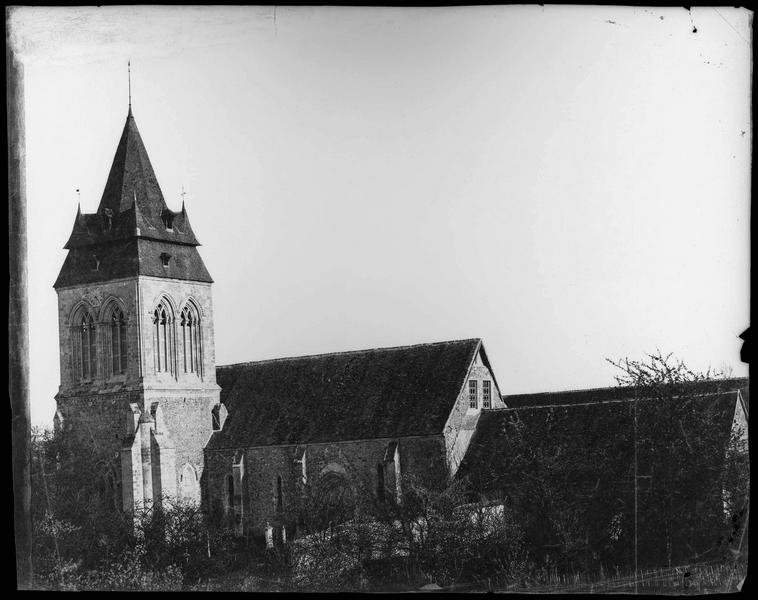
x: 188, y: 419
x: 99, y: 422
x: 421, y: 456
x: 96, y: 410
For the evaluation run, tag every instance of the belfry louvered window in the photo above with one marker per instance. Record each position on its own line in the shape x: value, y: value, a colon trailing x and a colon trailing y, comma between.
x: 118, y: 342
x: 473, y: 400
x: 486, y: 394
x: 84, y: 347
x: 163, y: 338
x: 190, y: 325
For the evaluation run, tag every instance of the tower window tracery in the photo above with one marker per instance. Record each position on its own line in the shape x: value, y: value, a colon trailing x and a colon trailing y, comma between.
x: 84, y: 350
x: 118, y: 342
x: 191, y: 352
x: 163, y: 338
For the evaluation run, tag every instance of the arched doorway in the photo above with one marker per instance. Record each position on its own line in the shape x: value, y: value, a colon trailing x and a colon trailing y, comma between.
x: 335, y: 498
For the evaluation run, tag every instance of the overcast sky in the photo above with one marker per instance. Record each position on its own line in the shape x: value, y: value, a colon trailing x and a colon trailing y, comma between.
x: 567, y: 183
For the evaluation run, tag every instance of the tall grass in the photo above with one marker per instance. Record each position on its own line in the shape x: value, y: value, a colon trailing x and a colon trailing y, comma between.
x: 687, y: 579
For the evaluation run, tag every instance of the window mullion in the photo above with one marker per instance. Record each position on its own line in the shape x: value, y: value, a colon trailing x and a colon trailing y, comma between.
x: 193, y: 346
x: 123, y: 346
x: 85, y: 352
x: 156, y: 329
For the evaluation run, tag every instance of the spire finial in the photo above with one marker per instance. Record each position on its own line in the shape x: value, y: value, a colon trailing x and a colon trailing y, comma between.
x: 129, y: 76
x: 182, y: 195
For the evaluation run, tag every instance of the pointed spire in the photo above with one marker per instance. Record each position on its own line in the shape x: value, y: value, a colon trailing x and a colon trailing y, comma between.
x: 129, y: 75
x: 132, y: 186
x: 183, y: 194
x: 78, y: 206
x: 131, y: 172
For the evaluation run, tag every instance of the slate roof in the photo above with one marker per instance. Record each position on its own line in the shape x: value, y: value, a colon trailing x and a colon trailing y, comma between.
x: 129, y: 258
x: 131, y: 228
x: 554, y: 428
x: 95, y: 228
x: 383, y: 392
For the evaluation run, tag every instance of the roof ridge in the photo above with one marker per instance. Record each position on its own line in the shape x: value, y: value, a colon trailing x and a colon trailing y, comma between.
x: 615, y: 401
x: 341, y: 352
x: 615, y: 387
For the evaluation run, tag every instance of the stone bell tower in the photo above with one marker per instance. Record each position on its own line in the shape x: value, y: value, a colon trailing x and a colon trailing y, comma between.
x: 138, y: 375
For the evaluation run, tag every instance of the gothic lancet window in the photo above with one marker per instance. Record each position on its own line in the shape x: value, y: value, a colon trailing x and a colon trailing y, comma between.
x: 190, y: 325
x: 230, y: 492
x: 279, y: 495
x: 84, y: 350
x: 118, y: 342
x: 380, y: 482
x: 188, y: 484
x: 163, y: 339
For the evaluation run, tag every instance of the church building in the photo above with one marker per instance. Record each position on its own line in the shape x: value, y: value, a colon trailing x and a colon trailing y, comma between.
x: 140, y: 387
x: 139, y: 382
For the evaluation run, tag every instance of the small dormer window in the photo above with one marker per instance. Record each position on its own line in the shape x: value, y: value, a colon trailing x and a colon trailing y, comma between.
x: 165, y: 258
x: 168, y: 219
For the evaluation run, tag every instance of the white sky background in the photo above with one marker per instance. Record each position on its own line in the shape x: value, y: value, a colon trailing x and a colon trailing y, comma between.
x: 568, y: 183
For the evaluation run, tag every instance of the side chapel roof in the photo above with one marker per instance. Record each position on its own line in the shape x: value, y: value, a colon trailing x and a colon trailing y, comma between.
x: 588, y: 421
x: 383, y: 392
